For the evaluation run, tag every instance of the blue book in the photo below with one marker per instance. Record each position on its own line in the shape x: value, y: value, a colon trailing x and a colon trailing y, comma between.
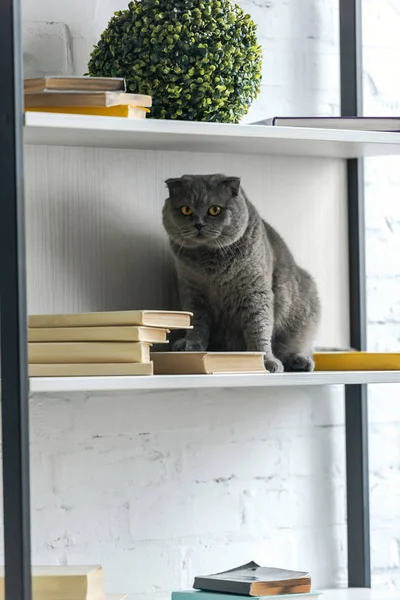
x: 199, y: 595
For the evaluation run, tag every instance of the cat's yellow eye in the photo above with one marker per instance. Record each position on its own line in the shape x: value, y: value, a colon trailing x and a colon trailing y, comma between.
x: 214, y: 211
x: 186, y: 211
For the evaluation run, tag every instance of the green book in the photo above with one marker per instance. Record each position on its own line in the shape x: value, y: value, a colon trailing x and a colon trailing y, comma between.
x: 199, y: 595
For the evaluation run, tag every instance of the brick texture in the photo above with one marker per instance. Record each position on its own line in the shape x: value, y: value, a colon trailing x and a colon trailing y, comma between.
x: 170, y: 485
x: 163, y: 486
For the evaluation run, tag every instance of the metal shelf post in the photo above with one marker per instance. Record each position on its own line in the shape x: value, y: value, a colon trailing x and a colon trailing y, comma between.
x: 14, y: 380
x: 356, y: 409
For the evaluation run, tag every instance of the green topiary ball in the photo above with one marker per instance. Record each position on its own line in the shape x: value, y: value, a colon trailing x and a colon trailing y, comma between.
x: 199, y: 59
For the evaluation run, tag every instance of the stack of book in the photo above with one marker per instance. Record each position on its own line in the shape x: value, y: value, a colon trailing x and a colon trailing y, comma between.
x: 250, y: 580
x: 98, y: 344
x: 104, y: 96
x: 60, y: 582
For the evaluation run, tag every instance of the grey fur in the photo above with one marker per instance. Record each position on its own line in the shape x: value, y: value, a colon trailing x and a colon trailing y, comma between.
x: 238, y: 276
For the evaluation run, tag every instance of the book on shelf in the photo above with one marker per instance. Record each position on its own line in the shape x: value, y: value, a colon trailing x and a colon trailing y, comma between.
x: 90, y: 370
x: 352, y: 123
x: 64, y: 583
x: 91, y: 100
x: 357, y: 361
x: 146, y: 318
x: 253, y: 580
x: 58, y: 83
x: 207, y: 363
x: 200, y: 595
x: 151, y: 335
x: 88, y: 352
x: 124, y: 111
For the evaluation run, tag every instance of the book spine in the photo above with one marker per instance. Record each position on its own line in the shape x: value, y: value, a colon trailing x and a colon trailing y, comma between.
x: 240, y: 588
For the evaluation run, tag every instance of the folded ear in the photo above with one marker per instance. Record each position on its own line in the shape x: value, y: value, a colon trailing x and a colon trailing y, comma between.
x: 174, y: 184
x: 233, y: 183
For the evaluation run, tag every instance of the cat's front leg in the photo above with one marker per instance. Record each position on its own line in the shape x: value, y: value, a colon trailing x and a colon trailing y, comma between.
x: 196, y: 339
x: 258, y: 325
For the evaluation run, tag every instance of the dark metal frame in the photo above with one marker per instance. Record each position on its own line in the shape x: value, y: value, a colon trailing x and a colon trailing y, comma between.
x: 14, y: 379
x: 356, y: 409
x: 13, y: 312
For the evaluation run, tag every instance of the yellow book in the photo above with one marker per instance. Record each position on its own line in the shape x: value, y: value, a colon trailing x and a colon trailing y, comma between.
x: 356, y: 361
x: 91, y: 370
x: 151, y: 335
x: 64, y: 583
x: 128, y: 112
x: 202, y: 363
x: 147, y: 318
x: 88, y: 352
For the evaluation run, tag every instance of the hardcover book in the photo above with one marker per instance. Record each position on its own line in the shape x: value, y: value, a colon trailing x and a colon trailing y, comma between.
x: 147, y: 318
x: 88, y: 352
x: 253, y: 580
x: 353, y: 123
x: 206, y: 363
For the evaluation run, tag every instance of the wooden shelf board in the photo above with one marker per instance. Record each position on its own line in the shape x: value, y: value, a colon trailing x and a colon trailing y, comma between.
x: 183, y: 136
x: 171, y: 382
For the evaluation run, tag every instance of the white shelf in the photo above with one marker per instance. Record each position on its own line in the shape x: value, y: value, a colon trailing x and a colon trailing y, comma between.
x: 360, y: 594
x: 112, y: 132
x: 182, y: 382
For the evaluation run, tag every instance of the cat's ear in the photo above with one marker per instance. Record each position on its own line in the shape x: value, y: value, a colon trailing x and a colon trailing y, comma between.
x: 174, y: 184
x: 233, y: 184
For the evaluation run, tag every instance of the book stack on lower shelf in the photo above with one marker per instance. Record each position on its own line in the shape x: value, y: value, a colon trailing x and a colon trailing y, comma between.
x: 98, y: 344
x: 119, y: 344
x: 250, y: 580
x: 67, y: 582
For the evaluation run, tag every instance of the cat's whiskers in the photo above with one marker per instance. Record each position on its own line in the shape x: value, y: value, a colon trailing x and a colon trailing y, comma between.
x: 223, y: 250
x: 179, y: 251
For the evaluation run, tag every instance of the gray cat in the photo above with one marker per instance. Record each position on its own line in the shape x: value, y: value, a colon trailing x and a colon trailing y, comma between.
x: 237, y: 275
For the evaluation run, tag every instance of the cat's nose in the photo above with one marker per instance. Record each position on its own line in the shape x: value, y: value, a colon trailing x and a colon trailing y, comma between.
x: 199, y: 226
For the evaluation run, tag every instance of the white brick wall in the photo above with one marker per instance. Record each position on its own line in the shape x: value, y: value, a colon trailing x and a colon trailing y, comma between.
x: 382, y: 96
x: 160, y: 487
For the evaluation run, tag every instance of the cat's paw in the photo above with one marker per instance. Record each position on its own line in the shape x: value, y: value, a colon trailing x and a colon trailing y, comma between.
x: 299, y: 363
x: 272, y: 364
x: 184, y: 345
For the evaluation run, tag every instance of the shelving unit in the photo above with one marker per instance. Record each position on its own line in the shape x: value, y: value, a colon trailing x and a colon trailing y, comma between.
x: 108, y: 132
x: 97, y: 132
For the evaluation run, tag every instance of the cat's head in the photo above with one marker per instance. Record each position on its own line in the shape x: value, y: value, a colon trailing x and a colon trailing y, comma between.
x: 205, y: 210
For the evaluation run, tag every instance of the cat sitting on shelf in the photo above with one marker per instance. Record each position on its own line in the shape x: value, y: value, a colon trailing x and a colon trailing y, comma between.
x: 237, y: 275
